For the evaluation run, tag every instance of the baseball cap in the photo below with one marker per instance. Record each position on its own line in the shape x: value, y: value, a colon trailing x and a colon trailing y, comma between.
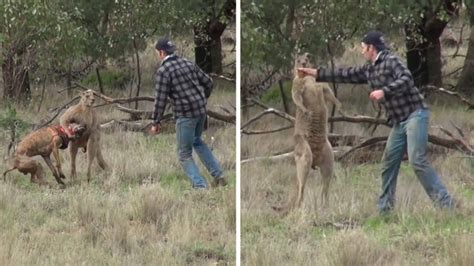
x: 165, y: 44
x: 376, y: 39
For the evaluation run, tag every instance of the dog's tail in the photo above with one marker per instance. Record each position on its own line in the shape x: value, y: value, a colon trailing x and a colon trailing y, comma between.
x: 5, y: 173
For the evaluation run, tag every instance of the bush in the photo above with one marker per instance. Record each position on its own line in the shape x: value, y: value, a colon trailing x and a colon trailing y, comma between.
x: 111, y: 78
x: 273, y: 95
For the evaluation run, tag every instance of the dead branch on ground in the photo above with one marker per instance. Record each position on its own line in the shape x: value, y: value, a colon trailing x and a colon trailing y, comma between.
x: 454, y: 143
x: 432, y: 88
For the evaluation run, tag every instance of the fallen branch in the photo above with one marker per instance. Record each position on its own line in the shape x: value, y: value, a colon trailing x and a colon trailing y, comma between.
x: 342, y: 118
x: 230, y: 118
x: 222, y: 77
x: 261, y: 132
x: 366, y: 143
x: 46, y: 121
x: 448, y: 92
x: 271, y: 158
x: 135, y: 126
x: 266, y: 112
x: 446, y: 143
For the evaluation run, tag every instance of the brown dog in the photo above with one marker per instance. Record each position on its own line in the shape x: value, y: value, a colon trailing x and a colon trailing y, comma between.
x: 43, y: 141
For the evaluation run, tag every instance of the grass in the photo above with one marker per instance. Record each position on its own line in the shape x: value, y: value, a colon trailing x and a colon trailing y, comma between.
x: 349, y: 231
x: 141, y: 212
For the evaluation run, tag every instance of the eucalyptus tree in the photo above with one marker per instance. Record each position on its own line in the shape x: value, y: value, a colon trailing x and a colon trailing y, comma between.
x: 466, y: 81
x: 25, y: 27
x: 208, y: 19
x: 273, y: 31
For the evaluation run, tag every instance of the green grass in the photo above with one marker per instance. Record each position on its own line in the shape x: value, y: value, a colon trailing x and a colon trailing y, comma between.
x: 142, y: 211
x: 350, y: 231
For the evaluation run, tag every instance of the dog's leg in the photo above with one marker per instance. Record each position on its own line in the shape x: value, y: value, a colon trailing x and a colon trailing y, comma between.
x: 37, y: 176
x: 47, y: 159
x: 57, y: 158
x: 27, y: 165
x: 5, y: 173
x: 73, y: 153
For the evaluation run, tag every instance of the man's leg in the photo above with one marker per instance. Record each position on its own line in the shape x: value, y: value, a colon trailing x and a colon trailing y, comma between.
x: 392, y: 158
x: 205, y: 154
x: 185, y: 128
x: 417, y: 134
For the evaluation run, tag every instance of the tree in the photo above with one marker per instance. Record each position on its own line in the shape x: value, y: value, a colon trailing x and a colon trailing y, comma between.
x: 466, y: 81
x: 273, y: 31
x: 423, y: 29
x: 24, y: 26
x: 215, y: 16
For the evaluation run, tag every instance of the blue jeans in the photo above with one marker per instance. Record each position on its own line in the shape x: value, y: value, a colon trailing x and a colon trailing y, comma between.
x: 188, y: 133
x: 410, y: 135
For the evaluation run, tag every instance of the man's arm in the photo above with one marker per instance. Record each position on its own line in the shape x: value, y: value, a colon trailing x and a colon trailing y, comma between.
x: 205, y: 80
x: 403, y: 79
x: 162, y: 88
x: 356, y: 75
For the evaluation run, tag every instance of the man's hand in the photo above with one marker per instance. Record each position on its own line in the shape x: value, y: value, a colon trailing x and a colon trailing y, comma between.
x: 376, y: 95
x: 155, y: 129
x: 308, y: 71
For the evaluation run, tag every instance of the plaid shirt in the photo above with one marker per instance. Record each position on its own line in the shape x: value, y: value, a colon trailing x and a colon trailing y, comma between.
x: 388, y: 73
x: 185, y: 84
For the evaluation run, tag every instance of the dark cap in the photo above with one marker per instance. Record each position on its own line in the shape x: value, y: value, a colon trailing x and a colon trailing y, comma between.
x: 165, y: 44
x: 376, y: 39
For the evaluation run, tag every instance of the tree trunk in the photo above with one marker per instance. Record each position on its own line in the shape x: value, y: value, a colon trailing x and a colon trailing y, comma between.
x: 416, y: 57
x: 466, y: 81
x: 99, y: 80
x: 433, y: 61
x: 69, y: 81
x: 202, y: 49
x: 139, y: 72
x: 208, y: 50
x: 207, y: 38
x: 16, y: 81
x: 7, y: 73
x: 424, y: 56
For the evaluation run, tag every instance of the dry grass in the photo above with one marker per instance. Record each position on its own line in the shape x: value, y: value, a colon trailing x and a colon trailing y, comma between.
x: 141, y: 212
x: 350, y: 231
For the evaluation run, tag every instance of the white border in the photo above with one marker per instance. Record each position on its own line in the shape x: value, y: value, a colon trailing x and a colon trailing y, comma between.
x: 237, y: 134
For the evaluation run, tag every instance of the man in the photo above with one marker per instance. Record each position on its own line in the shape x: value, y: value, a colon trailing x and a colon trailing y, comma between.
x: 392, y: 85
x: 188, y: 88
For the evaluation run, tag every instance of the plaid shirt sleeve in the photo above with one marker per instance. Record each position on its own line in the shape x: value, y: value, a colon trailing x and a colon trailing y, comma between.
x: 343, y: 75
x: 403, y: 78
x: 162, y: 89
x: 205, y: 80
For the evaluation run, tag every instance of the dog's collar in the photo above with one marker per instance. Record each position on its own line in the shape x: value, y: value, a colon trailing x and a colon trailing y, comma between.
x: 61, y: 132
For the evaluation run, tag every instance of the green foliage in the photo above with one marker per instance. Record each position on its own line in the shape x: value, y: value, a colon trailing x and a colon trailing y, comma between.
x: 272, y: 31
x: 273, y: 95
x: 10, y: 120
x: 111, y: 78
x: 64, y: 34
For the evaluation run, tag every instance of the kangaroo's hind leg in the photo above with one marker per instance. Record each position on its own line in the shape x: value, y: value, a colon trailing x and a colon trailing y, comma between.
x: 303, y: 159
x: 327, y: 171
